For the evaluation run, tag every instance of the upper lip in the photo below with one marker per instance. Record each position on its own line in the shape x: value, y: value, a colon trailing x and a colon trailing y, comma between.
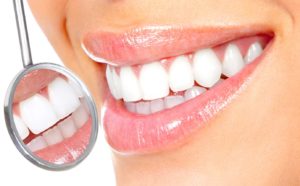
x: 32, y: 83
x: 145, y: 44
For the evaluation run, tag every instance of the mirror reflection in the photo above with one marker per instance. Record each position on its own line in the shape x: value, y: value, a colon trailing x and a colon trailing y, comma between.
x: 52, y: 116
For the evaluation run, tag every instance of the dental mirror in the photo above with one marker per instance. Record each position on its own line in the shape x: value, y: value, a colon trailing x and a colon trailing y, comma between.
x: 50, y: 114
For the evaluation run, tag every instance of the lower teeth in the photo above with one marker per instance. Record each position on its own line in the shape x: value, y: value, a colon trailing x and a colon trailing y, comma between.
x: 154, y: 106
x: 64, y: 129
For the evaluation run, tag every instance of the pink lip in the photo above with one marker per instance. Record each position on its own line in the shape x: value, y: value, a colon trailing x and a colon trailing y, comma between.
x: 131, y: 133
x: 145, y: 44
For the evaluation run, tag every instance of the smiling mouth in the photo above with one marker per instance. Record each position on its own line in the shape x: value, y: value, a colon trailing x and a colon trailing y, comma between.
x: 51, y: 117
x: 152, y: 105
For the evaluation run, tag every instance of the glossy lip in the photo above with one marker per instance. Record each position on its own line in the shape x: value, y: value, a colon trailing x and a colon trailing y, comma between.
x: 33, y: 82
x: 130, y: 133
x: 145, y: 44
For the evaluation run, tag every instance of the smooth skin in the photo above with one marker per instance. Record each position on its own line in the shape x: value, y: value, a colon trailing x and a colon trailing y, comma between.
x: 254, y: 141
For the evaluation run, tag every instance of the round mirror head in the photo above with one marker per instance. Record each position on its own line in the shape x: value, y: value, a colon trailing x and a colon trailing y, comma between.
x: 51, y: 116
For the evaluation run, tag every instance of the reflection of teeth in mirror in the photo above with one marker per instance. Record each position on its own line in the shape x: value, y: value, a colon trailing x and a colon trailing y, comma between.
x: 67, y: 127
x: 63, y: 97
x: 76, y: 88
x: 37, y: 113
x: 40, y: 112
x: 21, y: 127
x: 80, y: 116
x: 85, y: 105
x: 37, y: 143
x: 53, y: 136
x: 63, y: 130
x: 53, y: 114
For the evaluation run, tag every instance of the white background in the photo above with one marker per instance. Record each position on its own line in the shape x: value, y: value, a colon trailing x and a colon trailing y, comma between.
x: 14, y: 168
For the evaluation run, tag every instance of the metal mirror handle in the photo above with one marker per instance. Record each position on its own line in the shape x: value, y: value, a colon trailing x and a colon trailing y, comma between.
x: 23, y: 32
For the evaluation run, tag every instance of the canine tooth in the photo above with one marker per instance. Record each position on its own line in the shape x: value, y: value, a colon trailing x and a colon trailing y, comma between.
x: 80, y: 116
x: 129, y: 85
x: 53, y: 136
x: 172, y: 101
x: 254, y: 51
x: 67, y: 127
x: 154, y: 81
x: 143, y: 107
x: 62, y: 97
x: 193, y: 92
x: 157, y: 105
x: 113, y: 81
x: 76, y: 88
x: 37, y: 113
x: 21, y: 127
x: 233, y: 61
x: 181, y: 74
x: 37, y: 143
x: 130, y: 106
x: 207, y: 67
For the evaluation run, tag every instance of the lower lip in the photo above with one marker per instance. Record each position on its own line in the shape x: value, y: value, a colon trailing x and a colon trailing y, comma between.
x: 130, y: 133
x: 70, y: 149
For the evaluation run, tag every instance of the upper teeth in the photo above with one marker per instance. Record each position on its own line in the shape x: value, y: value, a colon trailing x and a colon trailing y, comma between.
x: 253, y: 52
x: 181, y: 74
x: 39, y: 112
x: 63, y: 97
x: 153, y: 81
x: 207, y: 68
x: 45, y: 118
x: 233, y: 61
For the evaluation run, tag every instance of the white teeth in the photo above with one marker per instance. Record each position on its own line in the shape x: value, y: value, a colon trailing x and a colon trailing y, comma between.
x: 80, y: 116
x: 143, y: 108
x: 129, y: 85
x: 207, y: 67
x: 233, y: 61
x: 181, y: 74
x: 21, y: 127
x: 53, y: 136
x: 172, y: 101
x: 254, y: 51
x: 67, y: 128
x: 193, y: 92
x: 76, y: 88
x: 117, y: 81
x: 113, y: 81
x: 130, y: 106
x: 37, y: 143
x: 157, y: 105
x: 85, y: 105
x: 154, y: 81
x: 147, y: 88
x: 37, y: 113
x: 62, y: 97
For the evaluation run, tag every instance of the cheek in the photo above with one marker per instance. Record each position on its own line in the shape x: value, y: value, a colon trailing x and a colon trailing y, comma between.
x: 51, y: 16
